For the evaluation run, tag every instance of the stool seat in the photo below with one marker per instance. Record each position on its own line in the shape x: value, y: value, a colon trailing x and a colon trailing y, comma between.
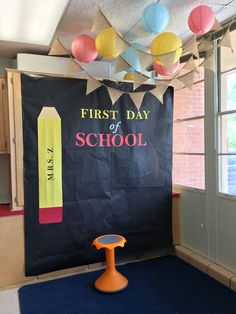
x: 111, y: 280
x: 109, y: 241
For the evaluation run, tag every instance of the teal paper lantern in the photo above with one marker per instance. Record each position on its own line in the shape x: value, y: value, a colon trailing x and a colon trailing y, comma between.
x: 155, y: 18
x: 131, y: 56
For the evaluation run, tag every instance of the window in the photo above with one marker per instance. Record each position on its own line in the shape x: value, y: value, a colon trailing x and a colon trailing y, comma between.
x: 227, y: 120
x: 188, y: 136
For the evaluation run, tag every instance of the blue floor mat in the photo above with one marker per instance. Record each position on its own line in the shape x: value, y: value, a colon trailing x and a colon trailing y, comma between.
x: 162, y: 286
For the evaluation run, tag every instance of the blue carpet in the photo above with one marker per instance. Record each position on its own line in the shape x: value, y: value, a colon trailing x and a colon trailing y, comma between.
x: 162, y: 286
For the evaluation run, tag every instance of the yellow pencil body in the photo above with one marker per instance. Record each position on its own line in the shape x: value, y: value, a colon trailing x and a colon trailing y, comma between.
x: 50, y: 166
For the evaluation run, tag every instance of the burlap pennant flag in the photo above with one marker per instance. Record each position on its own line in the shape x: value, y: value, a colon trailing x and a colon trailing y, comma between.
x: 217, y: 26
x: 226, y: 40
x: 58, y: 49
x: 187, y: 79
x: 160, y: 89
x: 168, y: 59
x: 144, y: 59
x: 137, y: 99
x: 121, y: 44
x: 177, y: 84
x: 73, y: 67
x: 100, y: 22
x: 191, y: 46
x: 121, y: 65
x: 204, y: 45
x: 92, y: 85
x: 139, y: 79
x: 209, y: 63
x: 190, y: 65
x: 114, y: 94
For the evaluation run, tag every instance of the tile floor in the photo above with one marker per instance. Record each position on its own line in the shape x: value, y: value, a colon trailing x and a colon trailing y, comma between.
x: 9, y: 303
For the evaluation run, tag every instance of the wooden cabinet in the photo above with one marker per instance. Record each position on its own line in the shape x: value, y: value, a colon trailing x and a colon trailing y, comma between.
x: 4, y: 119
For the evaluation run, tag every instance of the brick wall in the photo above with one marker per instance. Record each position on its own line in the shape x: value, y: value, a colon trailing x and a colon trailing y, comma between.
x: 188, y: 137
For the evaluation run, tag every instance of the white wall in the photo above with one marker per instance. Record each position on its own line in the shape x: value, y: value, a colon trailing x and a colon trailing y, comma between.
x: 5, y: 63
x: 193, y: 220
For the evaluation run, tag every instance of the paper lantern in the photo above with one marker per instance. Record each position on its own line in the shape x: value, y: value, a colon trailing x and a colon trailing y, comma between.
x: 155, y: 18
x: 164, y: 43
x: 106, y: 43
x: 131, y: 56
x: 162, y: 70
x: 129, y: 76
x: 201, y: 20
x: 83, y: 48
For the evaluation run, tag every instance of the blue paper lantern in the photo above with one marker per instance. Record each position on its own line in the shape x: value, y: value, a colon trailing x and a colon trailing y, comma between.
x: 131, y: 57
x: 155, y: 18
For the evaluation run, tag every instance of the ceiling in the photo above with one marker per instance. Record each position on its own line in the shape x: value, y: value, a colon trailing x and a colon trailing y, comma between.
x: 124, y: 15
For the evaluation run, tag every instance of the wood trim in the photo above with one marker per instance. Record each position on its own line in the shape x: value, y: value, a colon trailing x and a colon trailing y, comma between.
x: 214, y: 270
x: 2, y: 128
x: 12, y: 146
x: 18, y: 138
x: 6, y: 115
x: 12, y: 139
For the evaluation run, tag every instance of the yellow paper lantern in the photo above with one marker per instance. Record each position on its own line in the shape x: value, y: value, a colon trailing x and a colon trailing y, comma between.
x: 129, y: 76
x: 106, y: 43
x: 164, y: 43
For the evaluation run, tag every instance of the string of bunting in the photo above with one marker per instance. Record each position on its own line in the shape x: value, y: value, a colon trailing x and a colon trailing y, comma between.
x: 183, y: 78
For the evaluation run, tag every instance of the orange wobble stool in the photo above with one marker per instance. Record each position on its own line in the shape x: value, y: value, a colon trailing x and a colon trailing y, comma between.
x: 111, y: 280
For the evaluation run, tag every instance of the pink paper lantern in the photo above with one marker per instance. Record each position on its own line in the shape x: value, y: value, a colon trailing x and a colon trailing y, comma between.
x: 162, y: 70
x: 83, y: 48
x: 201, y: 20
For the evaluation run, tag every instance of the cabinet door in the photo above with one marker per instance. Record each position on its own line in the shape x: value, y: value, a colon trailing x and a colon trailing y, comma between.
x: 16, y: 139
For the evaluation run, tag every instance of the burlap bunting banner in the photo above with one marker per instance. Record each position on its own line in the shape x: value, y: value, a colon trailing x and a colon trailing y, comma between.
x: 187, y: 79
x: 57, y: 49
x: 190, y: 65
x: 139, y: 79
x: 177, y: 84
x: 160, y: 89
x: 144, y: 60
x: 209, y: 63
x: 204, y: 45
x: 114, y: 94
x: 217, y: 26
x: 191, y: 46
x: 137, y: 99
x: 226, y: 40
x: 121, y: 44
x: 92, y: 85
x: 168, y: 59
x: 100, y: 22
x: 121, y: 65
x: 73, y: 67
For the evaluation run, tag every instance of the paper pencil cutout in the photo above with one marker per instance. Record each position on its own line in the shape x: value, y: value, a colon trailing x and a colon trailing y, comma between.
x: 49, y: 166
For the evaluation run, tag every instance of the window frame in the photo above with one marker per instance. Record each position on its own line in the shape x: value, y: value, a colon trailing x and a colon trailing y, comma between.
x: 219, y: 114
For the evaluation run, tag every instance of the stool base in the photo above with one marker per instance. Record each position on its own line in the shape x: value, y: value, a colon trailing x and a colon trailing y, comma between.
x: 111, y: 281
